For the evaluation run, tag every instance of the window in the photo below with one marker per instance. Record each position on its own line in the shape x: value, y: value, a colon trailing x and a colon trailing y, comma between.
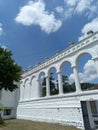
x: 7, y: 112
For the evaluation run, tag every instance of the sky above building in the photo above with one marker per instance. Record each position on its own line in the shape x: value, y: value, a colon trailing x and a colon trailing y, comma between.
x: 35, y: 29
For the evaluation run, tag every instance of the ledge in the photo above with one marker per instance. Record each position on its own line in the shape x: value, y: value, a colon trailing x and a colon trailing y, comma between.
x: 66, y: 95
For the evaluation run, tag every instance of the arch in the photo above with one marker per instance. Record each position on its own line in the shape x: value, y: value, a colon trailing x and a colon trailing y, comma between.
x: 91, y: 53
x: 26, y: 81
x: 42, y: 80
x: 67, y: 82
x: 49, y: 70
x: 53, y: 80
x: 21, y: 82
x: 64, y: 62
x: 86, y: 70
x: 32, y: 78
x: 41, y: 73
x: 26, y: 89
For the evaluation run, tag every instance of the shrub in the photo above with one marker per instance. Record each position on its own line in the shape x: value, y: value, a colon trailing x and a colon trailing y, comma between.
x: 1, y: 121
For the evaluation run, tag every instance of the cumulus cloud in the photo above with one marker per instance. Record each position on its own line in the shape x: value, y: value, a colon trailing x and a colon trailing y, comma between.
x: 34, y: 13
x: 1, y: 29
x: 89, y: 73
x: 93, y: 25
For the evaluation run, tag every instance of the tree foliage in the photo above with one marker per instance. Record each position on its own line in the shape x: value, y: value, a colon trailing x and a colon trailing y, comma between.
x: 53, y: 89
x: 87, y: 86
x: 67, y: 87
x: 10, y: 72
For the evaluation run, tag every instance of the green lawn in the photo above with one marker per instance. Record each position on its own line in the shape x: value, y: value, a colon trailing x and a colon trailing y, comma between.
x: 30, y: 125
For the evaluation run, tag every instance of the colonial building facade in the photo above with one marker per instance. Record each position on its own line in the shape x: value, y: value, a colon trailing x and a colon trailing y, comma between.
x: 72, y: 108
x: 78, y: 108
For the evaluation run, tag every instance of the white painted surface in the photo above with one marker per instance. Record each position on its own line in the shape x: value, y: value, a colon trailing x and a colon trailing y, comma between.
x: 62, y: 108
x: 10, y: 99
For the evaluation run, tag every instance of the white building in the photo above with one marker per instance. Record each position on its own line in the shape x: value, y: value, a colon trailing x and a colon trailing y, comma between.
x: 78, y: 108
x: 8, y: 103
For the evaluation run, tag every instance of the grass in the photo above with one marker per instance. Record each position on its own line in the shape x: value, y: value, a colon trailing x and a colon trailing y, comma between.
x: 30, y: 125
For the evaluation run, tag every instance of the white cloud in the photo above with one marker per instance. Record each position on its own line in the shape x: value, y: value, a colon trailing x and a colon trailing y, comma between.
x: 59, y: 9
x: 78, y: 7
x: 88, y: 7
x: 71, y: 2
x: 93, y: 25
x: 34, y: 13
x: 3, y: 46
x: 83, y: 5
x: 89, y: 73
x: 1, y: 29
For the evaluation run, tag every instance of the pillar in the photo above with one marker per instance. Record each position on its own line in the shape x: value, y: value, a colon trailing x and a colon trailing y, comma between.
x: 76, y: 77
x: 60, y: 82
x: 38, y: 88
x: 91, y: 120
x: 29, y: 90
x: 21, y: 93
x: 26, y: 92
x: 96, y: 63
x: 47, y: 86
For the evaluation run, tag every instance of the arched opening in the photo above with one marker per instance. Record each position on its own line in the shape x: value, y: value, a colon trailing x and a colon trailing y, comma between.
x: 53, y: 79
x: 42, y: 83
x: 87, y: 72
x: 68, y: 83
x: 21, y: 92
x: 27, y: 88
x: 33, y: 87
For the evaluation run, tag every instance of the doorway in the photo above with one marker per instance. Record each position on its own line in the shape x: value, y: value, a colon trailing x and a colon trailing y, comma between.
x: 90, y: 114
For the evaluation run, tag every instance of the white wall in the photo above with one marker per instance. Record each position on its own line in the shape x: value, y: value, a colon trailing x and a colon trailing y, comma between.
x: 65, y: 109
x: 56, y: 109
x: 10, y: 99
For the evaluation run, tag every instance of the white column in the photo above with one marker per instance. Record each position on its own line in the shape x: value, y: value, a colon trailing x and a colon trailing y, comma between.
x: 60, y: 82
x: 21, y: 93
x: 76, y: 77
x: 29, y: 90
x: 47, y: 86
x: 90, y: 115
x: 96, y: 63
x: 38, y: 88
x: 24, y: 93
x: 23, y: 89
x: 96, y: 105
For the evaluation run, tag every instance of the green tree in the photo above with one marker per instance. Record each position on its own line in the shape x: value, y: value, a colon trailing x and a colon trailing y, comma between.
x: 53, y: 89
x: 66, y: 86
x: 86, y: 85
x: 10, y: 72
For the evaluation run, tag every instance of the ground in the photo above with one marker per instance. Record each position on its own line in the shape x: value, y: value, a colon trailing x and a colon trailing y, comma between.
x: 30, y: 125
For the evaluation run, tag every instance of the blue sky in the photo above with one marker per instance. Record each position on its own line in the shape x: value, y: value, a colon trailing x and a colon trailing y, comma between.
x: 35, y: 29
